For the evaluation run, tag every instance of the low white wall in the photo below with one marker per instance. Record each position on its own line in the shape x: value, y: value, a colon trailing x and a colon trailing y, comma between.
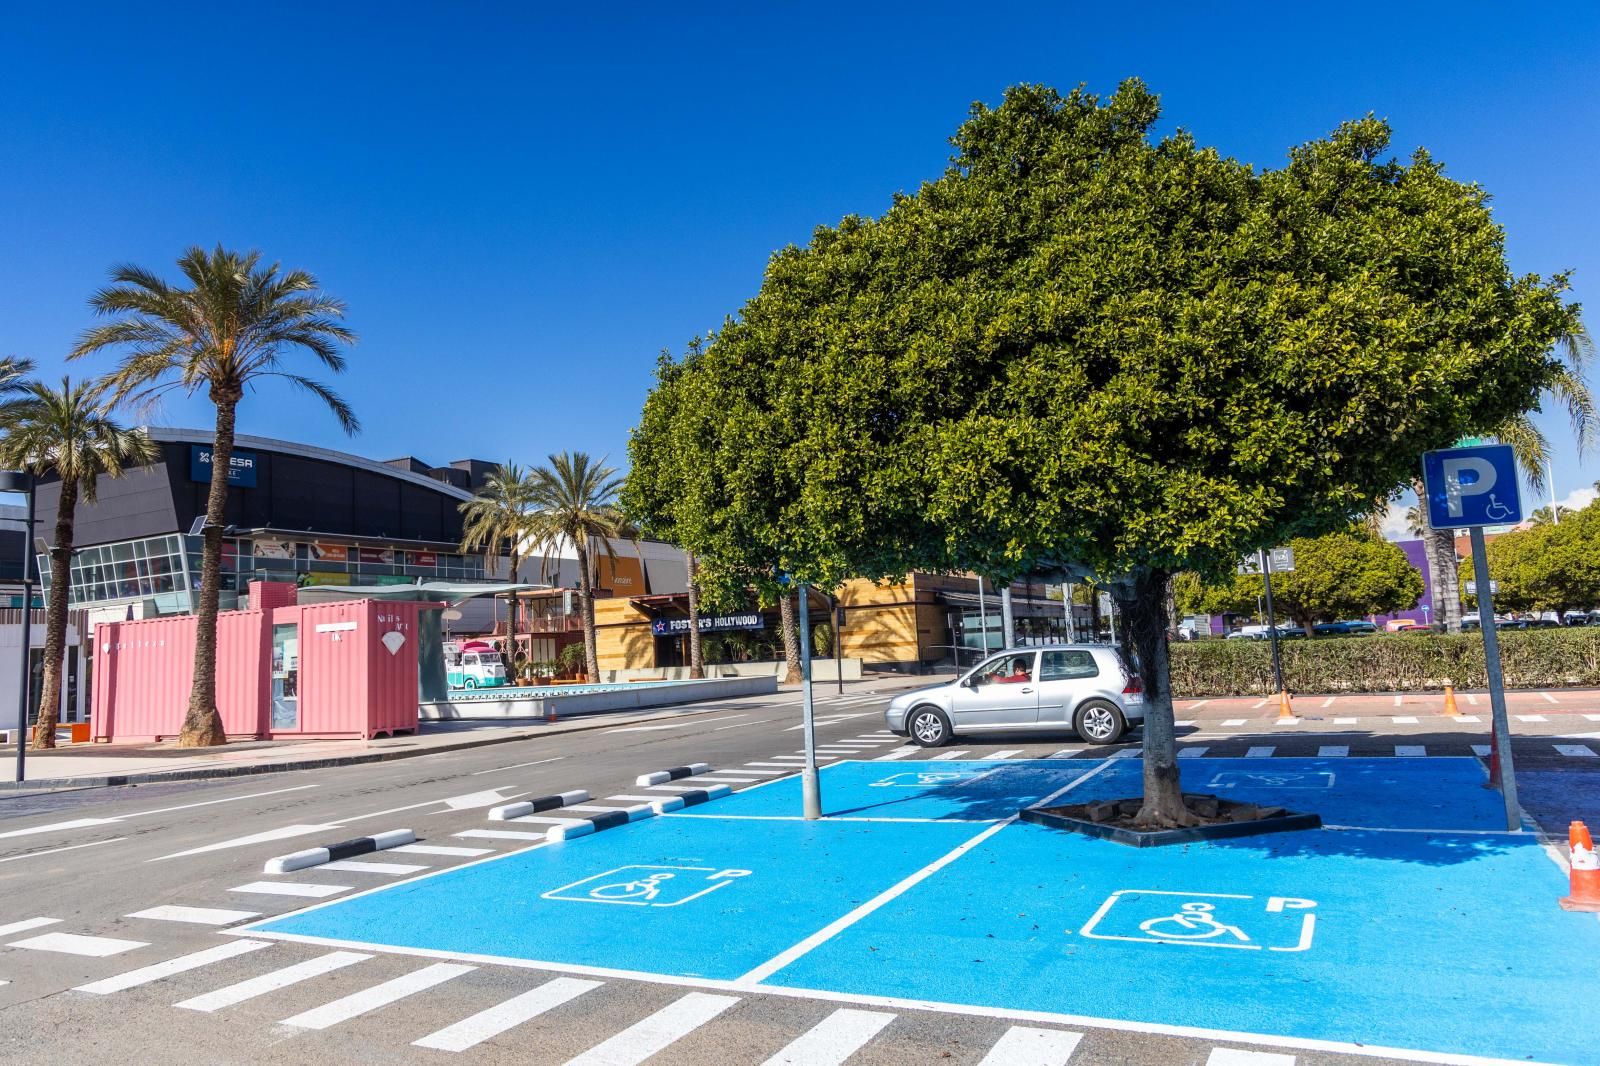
x: 635, y: 698
x: 821, y: 670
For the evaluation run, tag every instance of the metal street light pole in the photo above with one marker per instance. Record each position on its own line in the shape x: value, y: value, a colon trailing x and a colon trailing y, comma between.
x: 810, y: 788
x: 22, y: 481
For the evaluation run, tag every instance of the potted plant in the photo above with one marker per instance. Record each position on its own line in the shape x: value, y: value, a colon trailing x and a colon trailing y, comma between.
x: 571, y: 659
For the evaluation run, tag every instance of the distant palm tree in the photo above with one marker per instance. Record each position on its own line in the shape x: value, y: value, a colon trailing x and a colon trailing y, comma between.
x: 498, y: 516
x: 1548, y: 514
x: 231, y: 328
x: 575, y: 501
x: 66, y: 433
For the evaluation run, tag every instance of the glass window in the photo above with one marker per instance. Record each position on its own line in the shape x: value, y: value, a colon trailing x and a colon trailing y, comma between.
x: 1068, y: 666
x: 1013, y: 669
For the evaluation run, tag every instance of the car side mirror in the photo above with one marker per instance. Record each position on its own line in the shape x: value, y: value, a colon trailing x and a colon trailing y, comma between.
x: 966, y: 682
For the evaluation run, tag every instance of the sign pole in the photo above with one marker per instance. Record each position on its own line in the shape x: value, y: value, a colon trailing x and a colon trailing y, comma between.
x: 810, y: 789
x: 24, y: 696
x: 838, y: 642
x: 1497, y: 689
x: 1272, y: 621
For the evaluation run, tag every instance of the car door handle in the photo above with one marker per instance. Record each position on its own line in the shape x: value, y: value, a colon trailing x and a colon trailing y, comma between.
x: 1028, y: 688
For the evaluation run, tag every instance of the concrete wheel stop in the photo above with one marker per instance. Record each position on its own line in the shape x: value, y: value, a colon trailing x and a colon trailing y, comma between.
x: 1113, y: 820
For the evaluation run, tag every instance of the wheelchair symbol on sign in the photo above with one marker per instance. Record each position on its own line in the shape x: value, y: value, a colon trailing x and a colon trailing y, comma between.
x: 647, y: 886
x: 1204, y: 920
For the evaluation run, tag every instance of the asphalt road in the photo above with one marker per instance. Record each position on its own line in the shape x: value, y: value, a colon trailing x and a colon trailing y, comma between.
x: 97, y: 862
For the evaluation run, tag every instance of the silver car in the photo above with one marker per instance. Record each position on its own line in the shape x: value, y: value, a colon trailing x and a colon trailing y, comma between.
x: 1086, y: 687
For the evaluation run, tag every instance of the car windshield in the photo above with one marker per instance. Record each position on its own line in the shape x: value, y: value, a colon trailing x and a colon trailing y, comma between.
x: 1005, y: 670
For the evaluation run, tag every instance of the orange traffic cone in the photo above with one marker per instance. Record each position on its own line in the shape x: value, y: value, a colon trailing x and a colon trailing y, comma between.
x: 1285, y: 710
x: 1584, y: 866
x: 1450, y: 708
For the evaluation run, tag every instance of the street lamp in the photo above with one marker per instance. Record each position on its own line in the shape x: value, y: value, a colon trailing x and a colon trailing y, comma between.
x: 22, y: 481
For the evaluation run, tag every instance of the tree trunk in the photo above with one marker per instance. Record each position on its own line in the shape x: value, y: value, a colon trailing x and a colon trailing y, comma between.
x: 697, y: 661
x: 791, y: 639
x: 202, y: 725
x: 1093, y: 594
x: 591, y: 658
x: 1439, y: 546
x: 1144, y: 616
x: 55, y: 621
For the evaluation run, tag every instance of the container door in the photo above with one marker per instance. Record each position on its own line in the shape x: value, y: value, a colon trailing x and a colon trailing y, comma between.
x: 285, y: 678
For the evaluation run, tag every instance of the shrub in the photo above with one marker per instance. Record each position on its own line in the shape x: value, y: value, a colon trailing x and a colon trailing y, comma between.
x: 1386, y: 663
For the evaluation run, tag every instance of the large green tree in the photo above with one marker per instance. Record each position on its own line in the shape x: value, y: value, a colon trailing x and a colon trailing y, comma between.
x: 1340, y: 575
x: 1550, y: 567
x: 230, y: 329
x: 1085, y: 350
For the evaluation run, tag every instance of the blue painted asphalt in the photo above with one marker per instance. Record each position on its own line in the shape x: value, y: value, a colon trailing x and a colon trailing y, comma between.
x: 1446, y: 941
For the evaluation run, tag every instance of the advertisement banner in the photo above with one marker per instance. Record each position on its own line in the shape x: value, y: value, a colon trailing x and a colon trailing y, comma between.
x: 323, y: 579
x: 376, y: 555
x: 329, y: 553
x: 241, y: 468
x: 273, y: 548
x: 424, y: 558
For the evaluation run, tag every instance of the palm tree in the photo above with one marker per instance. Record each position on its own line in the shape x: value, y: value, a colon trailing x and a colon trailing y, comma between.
x: 498, y: 515
x: 697, y: 659
x: 788, y: 615
x: 575, y: 501
x: 230, y: 329
x: 67, y: 433
x: 1547, y: 514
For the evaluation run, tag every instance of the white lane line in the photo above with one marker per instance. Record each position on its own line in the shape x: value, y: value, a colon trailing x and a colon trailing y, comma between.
x: 356, y: 866
x: 943, y: 756
x: 787, y: 758
x: 182, y: 964
x: 281, y: 833
x: 1580, y: 751
x: 1481, y: 750
x: 442, y: 849
x: 629, y: 800
x: 229, y: 995
x: 1260, y: 704
x: 1472, y: 700
x: 370, y: 999
x: 26, y: 924
x: 1531, y: 718
x: 1066, y: 753
x: 897, y: 753
x: 1127, y: 753
x: 1191, y: 753
x: 1286, y: 721
x: 1333, y: 751
x: 1468, y: 718
x: 97, y: 947
x: 76, y: 823
x: 1397, y: 699
x: 1008, y: 753
x: 1346, y: 721
x: 1410, y: 751
x: 833, y: 1040
x: 545, y: 819
x: 675, y: 725
x: 1549, y: 698
x: 667, y: 1025
x: 736, y: 725
x: 1227, y: 1056
x: 194, y: 915
x: 1024, y: 1045
x: 1593, y: 717
x: 756, y: 773
x: 54, y: 851
x: 230, y: 799
x: 497, y: 834
x: 1185, y: 721
x: 290, y: 888
x: 1404, y: 720
x: 1197, y: 704
x: 1260, y: 753
x: 1328, y: 702
x: 753, y: 978
x: 469, y: 1032
x: 723, y: 779
x: 1235, y: 721
x: 518, y: 765
x: 783, y: 766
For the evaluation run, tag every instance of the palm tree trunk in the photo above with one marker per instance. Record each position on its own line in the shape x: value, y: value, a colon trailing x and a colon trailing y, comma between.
x: 697, y: 661
x: 55, y: 624
x: 586, y: 595
x: 1144, y: 617
x: 511, y: 626
x: 791, y: 639
x: 202, y: 725
x: 1439, y: 545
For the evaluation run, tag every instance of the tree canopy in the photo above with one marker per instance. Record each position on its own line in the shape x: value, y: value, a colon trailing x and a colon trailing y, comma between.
x: 1550, y: 567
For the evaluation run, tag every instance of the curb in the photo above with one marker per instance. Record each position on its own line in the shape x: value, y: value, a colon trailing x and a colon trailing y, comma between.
x: 661, y: 777
x: 301, y: 860
x: 690, y: 799
x: 594, y: 823
x: 534, y: 806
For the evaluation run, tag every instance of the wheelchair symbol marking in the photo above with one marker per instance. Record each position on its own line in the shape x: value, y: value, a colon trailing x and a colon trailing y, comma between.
x: 1147, y: 916
x: 931, y: 778
x: 647, y: 886
x: 1194, y: 921
x: 1271, y: 779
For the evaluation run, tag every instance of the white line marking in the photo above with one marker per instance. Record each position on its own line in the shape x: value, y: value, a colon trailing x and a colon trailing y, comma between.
x: 1235, y: 721
x: 1127, y: 753
x: 1197, y: 704
x: 55, y: 851
x: 283, y: 833
x: 1260, y: 704
x: 1066, y: 753
x: 787, y: 758
x: 370, y: 999
x: 1549, y: 698
x: 1404, y: 720
x: 1008, y: 753
x: 592, y: 808
x: 677, y: 788
x: 723, y: 779
x: 629, y: 800
x: 1227, y: 1056
x: 441, y: 849
x: 736, y: 725
x: 643, y: 1039
x: 757, y: 773
x: 1410, y: 751
x: 1580, y: 751
x: 784, y: 766
x: 182, y: 964
x: 230, y: 799
x: 1397, y: 699
x: 195, y: 915
x: 1593, y: 717
x: 518, y: 765
x: 291, y: 888
x: 469, y: 1032
x: 76, y: 823
x: 1328, y: 702
x: 76, y: 944
x: 1471, y: 699
x: 1286, y: 721
x: 26, y: 924
x: 1024, y: 1045
x: 949, y: 755
x: 1531, y: 718
x: 833, y: 1040
x: 1346, y: 721
x: 497, y: 834
x: 827, y: 932
x: 897, y: 753
x: 1260, y: 753
x: 1333, y: 751
x: 1191, y: 753
x: 356, y: 866
x: 1185, y: 721
x: 1481, y: 750
x: 230, y: 995
x: 1468, y: 718
x: 545, y: 819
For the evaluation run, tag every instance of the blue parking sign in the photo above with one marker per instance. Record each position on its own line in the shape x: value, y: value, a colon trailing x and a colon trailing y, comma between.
x: 1475, y: 486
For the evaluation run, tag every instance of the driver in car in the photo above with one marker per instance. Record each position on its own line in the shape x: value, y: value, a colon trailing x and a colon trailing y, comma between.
x: 1020, y: 672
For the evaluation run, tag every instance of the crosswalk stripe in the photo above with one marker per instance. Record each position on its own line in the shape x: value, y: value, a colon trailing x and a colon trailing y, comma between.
x: 1410, y: 751
x: 1592, y: 717
x: 833, y: 1040
x: 370, y: 999
x: 1236, y: 721
x: 1346, y: 721
x: 1333, y: 751
x: 1024, y: 1045
x: 1191, y: 753
x: 441, y: 849
x: 757, y: 773
x: 782, y: 767
x: 1008, y: 753
x: 1549, y: 698
x: 1227, y: 1056
x: 290, y: 888
x: 1186, y: 721
x: 1531, y: 718
x: 497, y: 834
x: 1580, y: 751
x: 469, y: 1032
x: 947, y: 755
x: 1404, y: 720
x: 1481, y: 750
x: 356, y: 866
x: 194, y: 915
x: 182, y: 964
x: 1463, y: 718
x: 641, y: 1040
x: 26, y: 924
x: 229, y: 995
x: 95, y: 947
x: 1260, y: 753
x: 898, y: 753
x: 724, y: 779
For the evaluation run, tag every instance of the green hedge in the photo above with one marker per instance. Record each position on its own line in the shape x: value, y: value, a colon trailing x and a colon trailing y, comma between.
x: 1539, y: 658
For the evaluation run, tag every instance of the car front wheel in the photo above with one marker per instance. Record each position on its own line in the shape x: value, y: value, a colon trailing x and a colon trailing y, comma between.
x: 1099, y: 722
x: 929, y: 727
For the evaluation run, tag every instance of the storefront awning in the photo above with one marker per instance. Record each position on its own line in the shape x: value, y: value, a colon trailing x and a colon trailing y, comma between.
x: 452, y: 592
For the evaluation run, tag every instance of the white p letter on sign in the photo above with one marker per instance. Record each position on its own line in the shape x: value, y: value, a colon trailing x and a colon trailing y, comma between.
x: 1455, y: 488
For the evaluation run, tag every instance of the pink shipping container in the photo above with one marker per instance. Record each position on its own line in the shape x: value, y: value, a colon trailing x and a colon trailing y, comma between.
x: 346, y: 669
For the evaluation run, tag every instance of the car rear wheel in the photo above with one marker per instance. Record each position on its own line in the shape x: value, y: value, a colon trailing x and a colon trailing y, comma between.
x: 1099, y: 722
x: 929, y: 727
x: 469, y: 683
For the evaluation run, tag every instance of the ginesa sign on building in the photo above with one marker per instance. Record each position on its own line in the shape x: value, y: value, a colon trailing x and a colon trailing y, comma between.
x: 241, y: 471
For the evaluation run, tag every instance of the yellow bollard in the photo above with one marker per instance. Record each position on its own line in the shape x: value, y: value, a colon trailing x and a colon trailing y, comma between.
x: 1450, y: 709
x: 1285, y: 710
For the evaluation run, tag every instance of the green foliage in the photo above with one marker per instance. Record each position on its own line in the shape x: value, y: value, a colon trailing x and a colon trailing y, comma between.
x: 822, y: 640
x: 1341, y: 575
x: 68, y: 433
x: 1550, y: 567
x: 1408, y: 662
x: 497, y: 517
x: 571, y: 657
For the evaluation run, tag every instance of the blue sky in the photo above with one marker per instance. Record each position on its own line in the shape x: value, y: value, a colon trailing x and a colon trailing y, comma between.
x: 523, y: 205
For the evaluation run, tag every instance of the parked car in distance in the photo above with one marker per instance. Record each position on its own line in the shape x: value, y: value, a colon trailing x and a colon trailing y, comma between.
x: 1086, y: 688
x: 1358, y: 625
x: 1542, y: 623
x: 1344, y: 629
x: 1413, y: 627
